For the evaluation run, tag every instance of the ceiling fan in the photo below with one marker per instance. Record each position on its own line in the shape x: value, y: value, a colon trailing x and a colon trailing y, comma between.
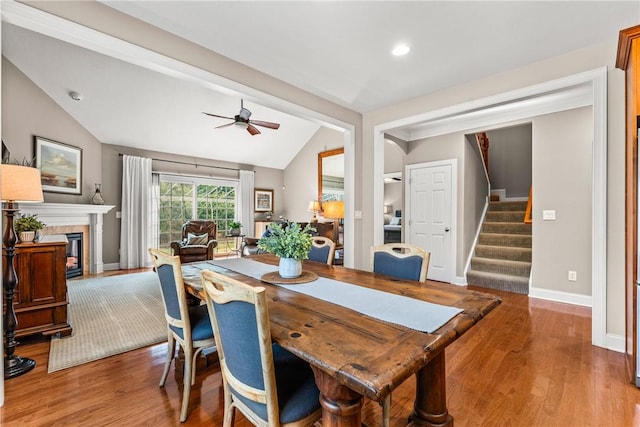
x: 243, y: 117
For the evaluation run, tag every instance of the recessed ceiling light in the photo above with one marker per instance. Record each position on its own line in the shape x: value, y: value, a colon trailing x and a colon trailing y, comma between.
x: 400, y: 50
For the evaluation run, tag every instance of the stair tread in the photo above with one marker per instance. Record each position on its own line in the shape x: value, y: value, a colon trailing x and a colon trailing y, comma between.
x: 500, y: 261
x: 498, y: 275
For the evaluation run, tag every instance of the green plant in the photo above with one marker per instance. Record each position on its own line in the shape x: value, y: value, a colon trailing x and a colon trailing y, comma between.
x: 28, y: 223
x: 287, y: 240
x: 234, y: 224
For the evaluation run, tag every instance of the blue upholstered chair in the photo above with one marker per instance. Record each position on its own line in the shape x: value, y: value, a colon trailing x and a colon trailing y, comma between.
x: 402, y: 261
x: 190, y: 327
x: 269, y: 385
x: 322, y: 250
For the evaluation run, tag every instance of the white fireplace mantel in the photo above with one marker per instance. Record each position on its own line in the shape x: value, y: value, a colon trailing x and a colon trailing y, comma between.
x: 63, y: 214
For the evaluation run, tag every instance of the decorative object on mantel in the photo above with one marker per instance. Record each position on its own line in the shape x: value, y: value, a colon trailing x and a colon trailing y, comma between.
x: 17, y: 184
x: 97, y: 196
x: 27, y: 226
x: 291, y: 243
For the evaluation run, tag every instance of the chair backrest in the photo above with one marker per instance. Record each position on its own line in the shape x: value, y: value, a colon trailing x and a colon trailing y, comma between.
x: 174, y: 296
x: 322, y: 250
x: 199, y: 227
x: 400, y: 260
x: 241, y: 328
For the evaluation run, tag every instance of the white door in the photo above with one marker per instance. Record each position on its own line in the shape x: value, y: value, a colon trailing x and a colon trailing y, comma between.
x: 430, y: 215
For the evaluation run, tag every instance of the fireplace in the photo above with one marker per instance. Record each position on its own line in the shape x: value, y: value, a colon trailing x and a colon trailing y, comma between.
x: 74, y: 255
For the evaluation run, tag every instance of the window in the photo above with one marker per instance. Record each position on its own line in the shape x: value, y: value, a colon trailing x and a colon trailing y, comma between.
x: 186, y: 198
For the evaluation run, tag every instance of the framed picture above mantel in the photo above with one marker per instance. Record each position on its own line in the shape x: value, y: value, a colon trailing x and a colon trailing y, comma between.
x: 263, y: 200
x: 60, y: 166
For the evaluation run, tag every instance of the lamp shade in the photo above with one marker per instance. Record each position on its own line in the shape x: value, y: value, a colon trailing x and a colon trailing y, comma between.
x: 314, y: 206
x: 333, y: 209
x: 20, y: 184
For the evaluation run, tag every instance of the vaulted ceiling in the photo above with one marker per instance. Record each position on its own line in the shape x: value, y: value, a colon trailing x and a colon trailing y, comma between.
x: 337, y: 50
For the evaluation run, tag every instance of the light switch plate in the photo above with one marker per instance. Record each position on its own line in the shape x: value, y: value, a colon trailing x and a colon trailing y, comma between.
x: 357, y: 214
x: 549, y: 215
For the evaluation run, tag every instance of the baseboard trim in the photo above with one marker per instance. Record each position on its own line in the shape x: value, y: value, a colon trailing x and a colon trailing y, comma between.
x: 616, y: 343
x: 111, y: 266
x: 557, y: 296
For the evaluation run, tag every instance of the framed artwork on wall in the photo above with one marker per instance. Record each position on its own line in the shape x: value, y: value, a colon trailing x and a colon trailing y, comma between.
x: 60, y: 166
x: 263, y: 200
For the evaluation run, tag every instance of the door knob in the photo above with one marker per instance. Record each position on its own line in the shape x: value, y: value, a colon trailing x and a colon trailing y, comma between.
x: 446, y: 229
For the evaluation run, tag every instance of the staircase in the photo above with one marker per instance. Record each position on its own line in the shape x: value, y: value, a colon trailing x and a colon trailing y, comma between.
x: 502, y: 258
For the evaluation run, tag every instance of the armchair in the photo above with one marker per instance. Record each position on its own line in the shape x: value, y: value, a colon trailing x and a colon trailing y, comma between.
x: 198, y: 241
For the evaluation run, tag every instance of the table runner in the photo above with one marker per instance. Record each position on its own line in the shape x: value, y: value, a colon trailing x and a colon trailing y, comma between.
x: 398, y: 309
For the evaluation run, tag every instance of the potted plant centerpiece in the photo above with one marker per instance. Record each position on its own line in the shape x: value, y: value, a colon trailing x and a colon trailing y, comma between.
x: 291, y: 243
x: 234, y: 228
x: 26, y: 226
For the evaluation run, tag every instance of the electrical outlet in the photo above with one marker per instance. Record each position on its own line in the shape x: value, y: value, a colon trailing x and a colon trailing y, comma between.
x: 573, y: 276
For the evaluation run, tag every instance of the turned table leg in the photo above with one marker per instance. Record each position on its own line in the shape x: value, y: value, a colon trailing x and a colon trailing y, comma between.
x: 430, y: 407
x: 341, y: 406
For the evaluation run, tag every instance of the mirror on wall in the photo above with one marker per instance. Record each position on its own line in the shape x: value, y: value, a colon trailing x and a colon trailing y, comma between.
x: 331, y: 175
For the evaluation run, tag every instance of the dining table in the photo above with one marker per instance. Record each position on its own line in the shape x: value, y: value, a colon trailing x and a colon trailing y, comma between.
x: 352, y: 336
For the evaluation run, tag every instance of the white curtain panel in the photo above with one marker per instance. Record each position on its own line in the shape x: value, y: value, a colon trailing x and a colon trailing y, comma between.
x: 136, y: 224
x: 245, y: 202
x: 155, y: 210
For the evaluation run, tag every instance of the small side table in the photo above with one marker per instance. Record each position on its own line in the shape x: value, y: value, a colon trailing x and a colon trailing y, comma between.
x: 237, y: 243
x: 338, y: 255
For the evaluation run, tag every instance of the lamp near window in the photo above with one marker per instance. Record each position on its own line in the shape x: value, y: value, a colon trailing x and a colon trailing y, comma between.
x: 18, y: 184
x: 334, y: 210
x: 314, y: 206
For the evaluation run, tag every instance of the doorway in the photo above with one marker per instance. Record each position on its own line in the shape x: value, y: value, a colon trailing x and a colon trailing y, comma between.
x: 430, y: 198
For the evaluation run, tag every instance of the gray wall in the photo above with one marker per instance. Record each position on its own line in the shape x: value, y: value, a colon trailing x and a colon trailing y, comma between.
x: 601, y: 55
x: 510, y: 159
x: 562, y: 182
x: 393, y: 192
x: 474, y: 198
x: 26, y: 112
x: 301, y: 174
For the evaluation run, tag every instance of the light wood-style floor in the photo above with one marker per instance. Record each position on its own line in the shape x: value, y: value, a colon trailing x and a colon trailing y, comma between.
x: 529, y: 363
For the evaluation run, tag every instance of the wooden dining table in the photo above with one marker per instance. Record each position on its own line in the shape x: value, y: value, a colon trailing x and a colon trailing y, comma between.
x: 354, y: 356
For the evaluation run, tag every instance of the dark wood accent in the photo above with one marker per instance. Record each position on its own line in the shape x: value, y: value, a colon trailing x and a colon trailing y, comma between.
x: 366, y: 356
x: 530, y: 364
x: 392, y: 236
x: 628, y: 59
x: 41, y: 299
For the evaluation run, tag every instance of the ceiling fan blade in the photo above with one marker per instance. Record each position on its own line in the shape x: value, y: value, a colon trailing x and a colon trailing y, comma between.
x: 269, y: 125
x: 224, y: 126
x: 252, y: 129
x: 215, y: 115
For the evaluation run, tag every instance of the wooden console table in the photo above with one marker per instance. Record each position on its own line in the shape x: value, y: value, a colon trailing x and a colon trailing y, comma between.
x: 41, y: 296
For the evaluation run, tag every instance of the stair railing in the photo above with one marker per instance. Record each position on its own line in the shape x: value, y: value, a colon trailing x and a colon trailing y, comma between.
x: 527, y: 213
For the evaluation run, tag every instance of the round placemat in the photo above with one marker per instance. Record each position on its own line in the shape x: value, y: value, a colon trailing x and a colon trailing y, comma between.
x: 275, y: 278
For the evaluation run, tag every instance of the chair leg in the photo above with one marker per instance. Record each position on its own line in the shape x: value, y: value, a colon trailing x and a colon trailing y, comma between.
x: 171, y: 350
x: 186, y: 381
x: 196, y: 353
x: 386, y: 410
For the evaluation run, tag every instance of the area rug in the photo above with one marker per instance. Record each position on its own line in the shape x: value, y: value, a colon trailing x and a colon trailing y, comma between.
x: 109, y: 315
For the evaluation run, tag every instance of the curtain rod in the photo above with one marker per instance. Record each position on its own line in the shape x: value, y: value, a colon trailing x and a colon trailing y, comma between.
x: 194, y: 164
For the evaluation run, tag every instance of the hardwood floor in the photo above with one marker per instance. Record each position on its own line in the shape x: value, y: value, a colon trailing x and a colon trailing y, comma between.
x: 529, y: 363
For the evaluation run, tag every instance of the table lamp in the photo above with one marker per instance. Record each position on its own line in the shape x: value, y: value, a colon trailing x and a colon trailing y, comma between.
x: 17, y: 184
x: 334, y: 210
x: 314, y: 206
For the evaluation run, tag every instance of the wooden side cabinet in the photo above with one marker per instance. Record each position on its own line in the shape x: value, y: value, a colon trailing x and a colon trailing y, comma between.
x: 41, y: 300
